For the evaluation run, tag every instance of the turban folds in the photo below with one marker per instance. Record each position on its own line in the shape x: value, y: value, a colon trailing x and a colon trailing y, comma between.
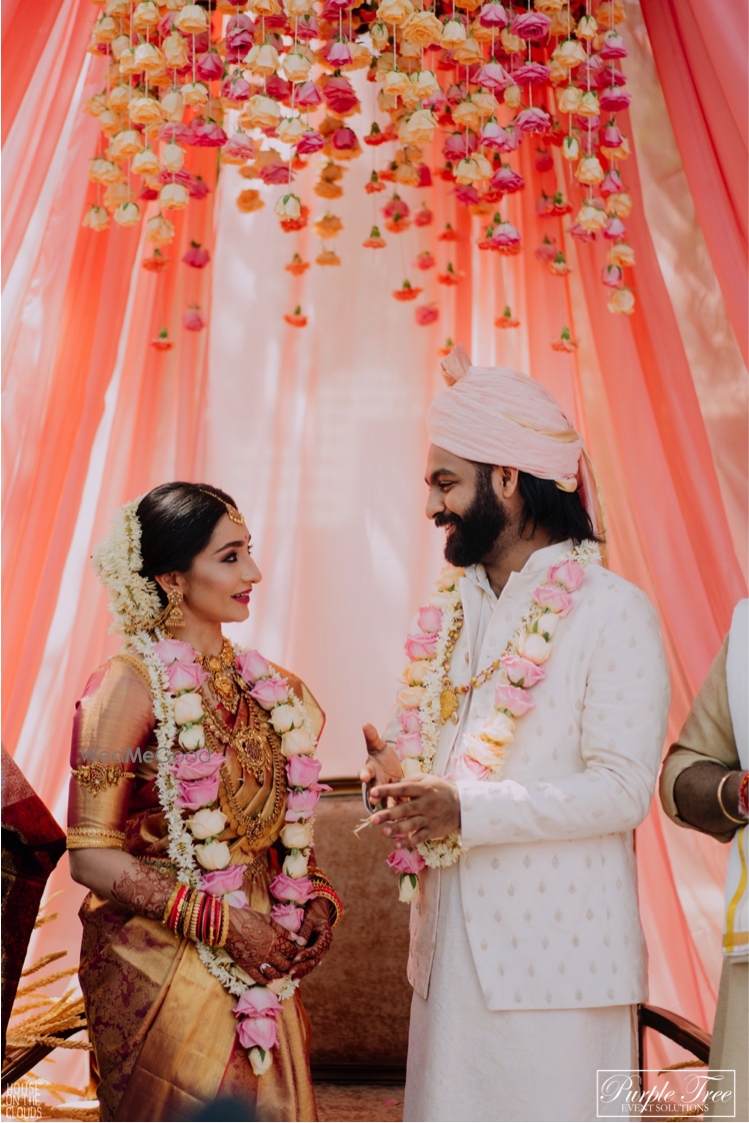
x: 497, y: 416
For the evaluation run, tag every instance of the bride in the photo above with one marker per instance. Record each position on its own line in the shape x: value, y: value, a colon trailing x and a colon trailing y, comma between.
x: 193, y: 782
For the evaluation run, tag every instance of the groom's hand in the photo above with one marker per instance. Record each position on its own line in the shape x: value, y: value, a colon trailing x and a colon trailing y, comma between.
x: 431, y: 809
x: 383, y: 765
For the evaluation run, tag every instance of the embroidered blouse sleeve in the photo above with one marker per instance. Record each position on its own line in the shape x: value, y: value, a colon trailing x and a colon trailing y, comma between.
x: 623, y: 728
x: 113, y: 717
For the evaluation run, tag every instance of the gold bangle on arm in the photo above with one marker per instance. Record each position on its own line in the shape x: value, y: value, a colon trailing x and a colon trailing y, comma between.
x: 170, y: 904
x: 721, y: 804
x: 225, y: 916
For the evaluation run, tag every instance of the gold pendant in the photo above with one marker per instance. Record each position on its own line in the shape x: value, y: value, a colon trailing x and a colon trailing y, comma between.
x: 448, y: 705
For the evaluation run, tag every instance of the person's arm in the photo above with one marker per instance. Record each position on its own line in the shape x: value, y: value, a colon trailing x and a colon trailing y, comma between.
x: 703, y: 754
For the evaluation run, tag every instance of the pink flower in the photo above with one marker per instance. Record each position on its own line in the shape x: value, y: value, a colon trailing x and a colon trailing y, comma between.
x: 410, y: 722
x: 236, y: 88
x: 260, y: 1032
x: 195, y: 794
x: 466, y: 194
x: 193, y: 319
x: 239, y: 147
x: 543, y: 161
x: 493, y: 76
x: 614, y: 98
x: 614, y: 228
x: 493, y: 136
x: 276, y: 86
x: 533, y: 121
x: 569, y: 574
x: 421, y: 646
x: 218, y: 882
x: 197, y: 768
x: 296, y: 889
x: 252, y: 666
x: 207, y: 134
x: 170, y: 650
x: 550, y: 596
x: 521, y: 672
x: 197, y: 256
x: 612, y: 182
x: 175, y: 131
x: 493, y: 15
x: 547, y: 251
x: 430, y: 618
x: 612, y: 276
x: 300, y: 805
x: 302, y: 771
x: 276, y: 173
x: 514, y: 699
x: 344, y: 140
x: 406, y: 861
x: 185, y: 676
x: 531, y: 26
x: 458, y: 145
x: 270, y: 692
x: 531, y: 74
x: 611, y: 135
x: 466, y: 768
x: 505, y: 235
x: 307, y: 95
x: 288, y: 916
x: 339, y: 54
x: 210, y: 66
x: 258, y: 1002
x: 613, y: 46
x: 506, y: 179
x: 339, y: 95
x: 237, y: 899
x: 310, y: 142
x: 409, y: 745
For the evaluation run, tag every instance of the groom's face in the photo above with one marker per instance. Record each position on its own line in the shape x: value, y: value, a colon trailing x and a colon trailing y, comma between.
x: 463, y: 499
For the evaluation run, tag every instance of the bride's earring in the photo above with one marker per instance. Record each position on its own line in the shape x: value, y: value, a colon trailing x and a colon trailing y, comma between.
x: 175, y: 617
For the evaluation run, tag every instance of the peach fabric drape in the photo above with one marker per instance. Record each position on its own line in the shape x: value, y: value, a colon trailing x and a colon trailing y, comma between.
x: 700, y: 49
x: 319, y: 434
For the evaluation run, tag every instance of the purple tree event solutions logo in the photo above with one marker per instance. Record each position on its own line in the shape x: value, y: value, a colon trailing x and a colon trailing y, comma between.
x: 660, y: 1093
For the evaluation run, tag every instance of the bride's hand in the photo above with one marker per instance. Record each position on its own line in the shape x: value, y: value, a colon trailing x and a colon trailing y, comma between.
x: 259, y: 946
x: 383, y: 765
x: 317, y: 933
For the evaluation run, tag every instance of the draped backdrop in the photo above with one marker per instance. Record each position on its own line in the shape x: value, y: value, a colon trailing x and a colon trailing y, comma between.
x: 319, y: 433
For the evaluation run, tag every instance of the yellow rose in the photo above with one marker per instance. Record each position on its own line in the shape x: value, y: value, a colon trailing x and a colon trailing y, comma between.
x: 453, y: 33
x: 619, y: 204
x: 422, y: 29
x: 127, y: 62
x: 512, y: 44
x: 148, y: 57
x: 95, y: 105
x: 473, y: 169
x: 591, y: 218
x: 119, y: 98
x: 145, y: 111
x: 105, y: 30
x: 396, y: 83
x: 173, y: 105
x: 296, y: 865
x: 296, y: 836
x: 467, y: 115
x: 411, y: 697
x: 145, y: 15
x: 448, y: 579
x: 172, y: 157
x: 418, y: 128
x: 261, y: 112
x: 468, y: 52
x: 111, y: 123
x: 561, y: 24
x: 297, y: 8
x: 266, y: 7
x: 611, y: 11
x: 361, y: 57
x: 118, y: 45
x: 174, y: 49
x: 411, y: 765
x: 622, y: 302
x: 380, y: 36
x: 191, y: 20
x: 621, y: 152
x: 589, y: 106
x: 296, y: 66
x: 115, y: 195
x: 263, y: 60
x: 569, y: 100
x: 329, y: 226
x: 125, y: 145
x: 407, y: 175
x: 394, y: 11
x: 513, y: 97
x: 159, y: 230
x: 96, y: 219
x: 548, y: 7
x: 589, y: 170
x: 622, y: 255
x: 103, y: 171
x: 174, y: 197
x: 486, y: 103
x: 499, y: 730
x: 206, y: 823
x: 425, y: 84
x: 587, y: 28
x: 569, y: 54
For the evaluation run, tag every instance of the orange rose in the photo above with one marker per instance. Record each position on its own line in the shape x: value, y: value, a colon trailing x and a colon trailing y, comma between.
x: 328, y: 257
x: 423, y: 29
x: 249, y: 200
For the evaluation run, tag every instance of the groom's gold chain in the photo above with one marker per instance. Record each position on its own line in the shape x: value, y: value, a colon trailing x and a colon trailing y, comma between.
x: 450, y: 692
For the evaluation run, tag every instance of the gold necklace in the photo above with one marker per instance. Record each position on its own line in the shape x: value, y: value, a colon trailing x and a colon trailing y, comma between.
x: 223, y: 675
x: 450, y: 692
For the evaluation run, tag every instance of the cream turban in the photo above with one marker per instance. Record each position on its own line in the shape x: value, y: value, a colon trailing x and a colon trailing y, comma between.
x: 497, y: 416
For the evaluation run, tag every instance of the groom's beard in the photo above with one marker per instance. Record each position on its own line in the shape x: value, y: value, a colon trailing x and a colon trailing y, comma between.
x: 477, y: 529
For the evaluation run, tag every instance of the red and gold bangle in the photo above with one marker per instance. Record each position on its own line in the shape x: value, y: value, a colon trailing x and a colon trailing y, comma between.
x: 177, y: 904
x: 167, y: 913
x: 744, y: 796
x: 187, y: 913
x: 195, y: 915
x: 225, y: 916
x: 325, y: 890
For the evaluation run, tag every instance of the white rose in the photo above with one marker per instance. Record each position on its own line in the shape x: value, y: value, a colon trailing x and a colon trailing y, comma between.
x: 411, y: 697
x: 188, y: 708
x: 296, y: 836
x: 499, y: 729
x: 546, y: 625
x: 213, y: 855
x: 408, y: 887
x: 534, y: 647
x: 298, y: 742
x: 411, y: 765
x: 260, y: 1060
x: 286, y: 717
x: 296, y: 864
x: 206, y: 823
x: 192, y: 737
x: 483, y: 752
x: 288, y: 206
x: 416, y: 674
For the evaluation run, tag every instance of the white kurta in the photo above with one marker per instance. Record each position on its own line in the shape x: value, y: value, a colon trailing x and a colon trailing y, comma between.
x: 528, y: 957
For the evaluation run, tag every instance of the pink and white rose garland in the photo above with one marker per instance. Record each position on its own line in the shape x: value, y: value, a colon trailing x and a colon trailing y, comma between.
x: 201, y: 858
x: 521, y: 668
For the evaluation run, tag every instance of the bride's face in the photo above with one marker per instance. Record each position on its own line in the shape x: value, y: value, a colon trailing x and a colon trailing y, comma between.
x: 218, y: 586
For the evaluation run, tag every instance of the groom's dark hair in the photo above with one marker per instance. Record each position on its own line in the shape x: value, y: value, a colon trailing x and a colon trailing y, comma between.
x: 560, y: 513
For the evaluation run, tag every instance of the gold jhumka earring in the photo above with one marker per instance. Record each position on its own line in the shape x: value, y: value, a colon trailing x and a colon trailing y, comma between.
x: 171, y: 616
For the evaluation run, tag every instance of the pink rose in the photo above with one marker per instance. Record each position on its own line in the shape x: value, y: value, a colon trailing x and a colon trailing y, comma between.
x: 276, y: 173
x: 614, y: 98
x: 197, y: 188
x: 546, y: 252
x: 300, y: 805
x: 505, y: 235
x: 614, y: 229
x: 570, y: 574
x: 288, y: 916
x: 260, y: 1032
x: 406, y: 861
x: 218, y: 882
x: 276, y: 86
x: 258, y: 1002
x: 409, y: 745
x: 307, y: 95
x: 170, y: 650
x: 302, y: 771
x: 207, y: 134
x: 339, y: 54
x: 493, y: 76
x: 426, y: 314
x: 514, y: 699
x: 493, y: 136
x: 210, y: 66
x: 195, y: 794
x: 239, y: 147
x: 521, y: 672
x: 197, y: 256
x: 531, y: 26
x: 493, y: 15
x: 466, y: 768
x: 612, y: 276
x: 204, y: 765
x: 506, y: 179
x: 237, y: 899
x: 611, y: 135
x: 531, y: 74
x: 613, y: 46
x: 185, y: 676
x: 543, y: 161
x: 612, y: 182
x: 533, y: 121
x: 310, y: 142
x: 270, y: 692
x: 550, y: 596
x: 339, y: 95
x: 252, y: 666
x: 236, y: 88
x: 344, y: 140
x: 430, y: 618
x: 175, y: 131
x: 458, y: 145
x: 410, y: 722
x: 193, y: 319
x: 421, y: 646
x: 296, y: 889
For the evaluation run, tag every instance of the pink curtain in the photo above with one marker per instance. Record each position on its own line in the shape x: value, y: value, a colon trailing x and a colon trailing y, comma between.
x: 700, y: 50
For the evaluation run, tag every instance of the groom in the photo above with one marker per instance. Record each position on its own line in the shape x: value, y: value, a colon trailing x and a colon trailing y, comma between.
x: 527, y: 955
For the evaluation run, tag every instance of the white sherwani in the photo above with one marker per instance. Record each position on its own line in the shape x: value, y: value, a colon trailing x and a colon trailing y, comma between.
x: 541, y: 914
